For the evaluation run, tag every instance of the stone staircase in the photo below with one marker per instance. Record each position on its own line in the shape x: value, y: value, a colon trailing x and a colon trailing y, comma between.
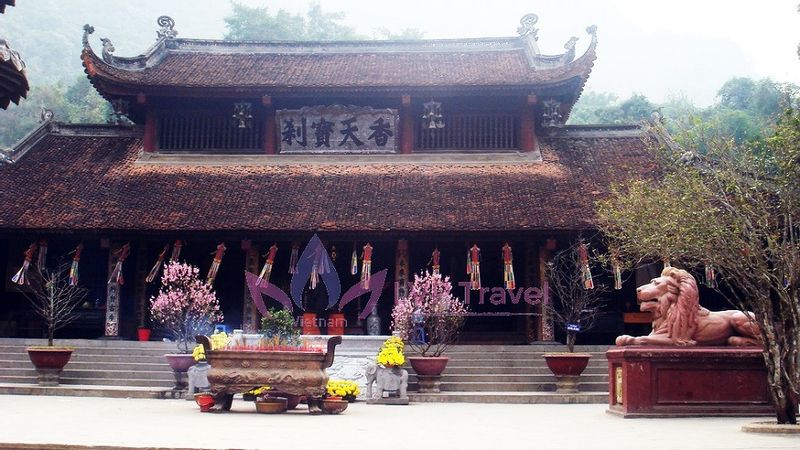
x: 513, y: 374
x: 106, y: 368
x: 475, y: 373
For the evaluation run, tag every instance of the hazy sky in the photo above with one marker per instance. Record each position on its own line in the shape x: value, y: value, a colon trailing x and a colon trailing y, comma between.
x: 660, y: 49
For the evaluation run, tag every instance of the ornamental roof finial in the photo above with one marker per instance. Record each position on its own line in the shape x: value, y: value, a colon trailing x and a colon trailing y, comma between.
x: 527, y: 26
x: 167, y: 30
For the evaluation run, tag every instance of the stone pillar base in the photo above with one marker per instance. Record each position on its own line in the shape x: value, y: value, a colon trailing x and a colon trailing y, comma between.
x: 429, y: 384
x: 567, y: 384
x: 48, y: 377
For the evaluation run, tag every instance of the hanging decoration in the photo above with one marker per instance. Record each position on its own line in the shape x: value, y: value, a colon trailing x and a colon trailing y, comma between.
x: 212, y: 271
x: 586, y: 273
x: 294, y: 257
x: 176, y: 250
x: 41, y: 259
x: 354, y: 261
x: 435, y: 261
x: 266, y: 271
x: 711, y: 276
x: 21, y: 277
x: 508, y: 267
x: 366, y: 265
x: 157, y: 266
x: 474, y: 267
x: 73, y: 269
x: 116, y: 274
x: 333, y: 253
x: 319, y: 266
x: 616, y: 267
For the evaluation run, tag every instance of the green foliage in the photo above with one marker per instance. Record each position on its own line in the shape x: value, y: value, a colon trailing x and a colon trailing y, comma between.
x: 77, y: 103
x: 600, y: 108
x: 256, y: 23
x: 591, y: 107
x: 279, y: 323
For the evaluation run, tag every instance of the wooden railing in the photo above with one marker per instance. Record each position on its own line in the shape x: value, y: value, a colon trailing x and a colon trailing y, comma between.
x: 208, y: 131
x: 465, y: 132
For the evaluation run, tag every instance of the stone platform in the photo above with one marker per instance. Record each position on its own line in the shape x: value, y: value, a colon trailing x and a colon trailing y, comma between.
x: 687, y: 382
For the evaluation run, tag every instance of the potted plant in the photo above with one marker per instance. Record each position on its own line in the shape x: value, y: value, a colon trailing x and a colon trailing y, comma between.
x: 346, y: 389
x: 186, y: 306
x: 574, y: 308
x: 55, y: 300
x: 429, y: 319
x: 278, y: 326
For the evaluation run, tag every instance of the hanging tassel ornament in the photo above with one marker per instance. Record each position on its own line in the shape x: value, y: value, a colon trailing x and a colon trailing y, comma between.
x: 711, y: 276
x: 157, y: 266
x: 586, y: 273
x: 41, y: 259
x: 294, y: 257
x: 354, y: 261
x: 176, y: 250
x: 508, y: 268
x: 474, y: 267
x: 21, y: 277
x: 73, y: 269
x: 116, y: 274
x: 212, y: 271
x: 435, y: 261
x: 366, y: 265
x: 615, y: 266
x: 266, y: 271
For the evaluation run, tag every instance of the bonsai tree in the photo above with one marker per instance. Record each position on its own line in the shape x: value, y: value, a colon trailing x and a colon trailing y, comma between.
x: 430, y: 318
x: 574, y: 307
x: 52, y: 297
x: 278, y: 328
x: 186, y: 305
x: 735, y: 206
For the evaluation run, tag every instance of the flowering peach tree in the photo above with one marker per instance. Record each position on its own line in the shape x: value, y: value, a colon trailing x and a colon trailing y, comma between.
x: 431, y: 308
x: 186, y: 305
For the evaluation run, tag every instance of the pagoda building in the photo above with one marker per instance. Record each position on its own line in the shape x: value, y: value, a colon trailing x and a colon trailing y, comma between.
x: 13, y: 80
x: 422, y: 150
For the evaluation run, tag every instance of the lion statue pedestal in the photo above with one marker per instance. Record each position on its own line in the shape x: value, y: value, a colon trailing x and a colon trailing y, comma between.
x: 695, y: 362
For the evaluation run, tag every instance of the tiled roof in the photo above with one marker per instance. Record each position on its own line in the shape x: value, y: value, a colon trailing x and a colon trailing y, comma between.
x: 82, y: 182
x: 13, y: 81
x: 286, y: 65
x: 4, y: 3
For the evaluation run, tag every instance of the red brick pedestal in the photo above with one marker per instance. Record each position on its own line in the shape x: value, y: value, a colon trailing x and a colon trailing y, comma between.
x: 682, y: 382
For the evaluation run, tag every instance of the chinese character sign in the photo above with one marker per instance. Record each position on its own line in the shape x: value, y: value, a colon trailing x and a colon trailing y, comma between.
x: 337, y: 129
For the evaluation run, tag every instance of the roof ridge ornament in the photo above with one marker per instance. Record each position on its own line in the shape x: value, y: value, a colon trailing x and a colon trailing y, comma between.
x: 527, y: 26
x: 108, y: 50
x: 167, y: 30
x: 87, y: 30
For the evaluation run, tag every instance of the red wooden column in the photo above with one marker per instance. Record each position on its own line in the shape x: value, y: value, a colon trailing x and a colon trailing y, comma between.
x: 545, y: 320
x: 270, y: 131
x: 528, y: 125
x: 149, y: 139
x: 406, y: 126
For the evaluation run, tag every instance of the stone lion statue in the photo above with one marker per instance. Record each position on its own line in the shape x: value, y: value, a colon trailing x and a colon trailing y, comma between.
x: 678, y: 318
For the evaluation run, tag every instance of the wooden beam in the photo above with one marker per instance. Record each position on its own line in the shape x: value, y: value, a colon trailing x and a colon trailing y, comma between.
x: 149, y: 139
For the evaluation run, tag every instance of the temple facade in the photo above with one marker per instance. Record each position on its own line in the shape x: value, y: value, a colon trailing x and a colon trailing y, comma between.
x: 412, y: 153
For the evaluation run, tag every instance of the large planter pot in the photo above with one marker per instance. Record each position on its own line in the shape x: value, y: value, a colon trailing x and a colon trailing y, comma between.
x: 336, y: 324
x: 309, y: 324
x: 49, y: 361
x: 429, y: 371
x: 180, y: 363
x: 567, y: 368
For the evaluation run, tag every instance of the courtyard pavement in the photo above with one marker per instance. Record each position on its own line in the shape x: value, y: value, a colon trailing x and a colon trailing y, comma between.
x: 31, y: 421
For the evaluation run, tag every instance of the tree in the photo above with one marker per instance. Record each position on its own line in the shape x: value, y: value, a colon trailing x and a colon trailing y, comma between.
x: 737, y: 207
x: 575, y: 307
x: 53, y: 297
x: 256, y: 23
x: 589, y: 107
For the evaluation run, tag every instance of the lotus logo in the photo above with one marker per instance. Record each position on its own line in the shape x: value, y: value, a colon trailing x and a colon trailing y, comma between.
x: 314, y: 257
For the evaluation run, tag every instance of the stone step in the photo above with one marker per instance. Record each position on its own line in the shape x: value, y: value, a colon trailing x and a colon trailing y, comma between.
x: 511, y: 387
x: 497, y: 370
x: 455, y: 356
x: 89, y: 391
x: 505, y: 378
x: 150, y: 366
x: 597, y: 363
x: 511, y: 397
x: 96, y: 351
x: 143, y: 382
x: 113, y: 376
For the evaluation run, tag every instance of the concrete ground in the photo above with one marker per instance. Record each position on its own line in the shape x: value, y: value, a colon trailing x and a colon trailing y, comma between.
x: 26, y: 421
